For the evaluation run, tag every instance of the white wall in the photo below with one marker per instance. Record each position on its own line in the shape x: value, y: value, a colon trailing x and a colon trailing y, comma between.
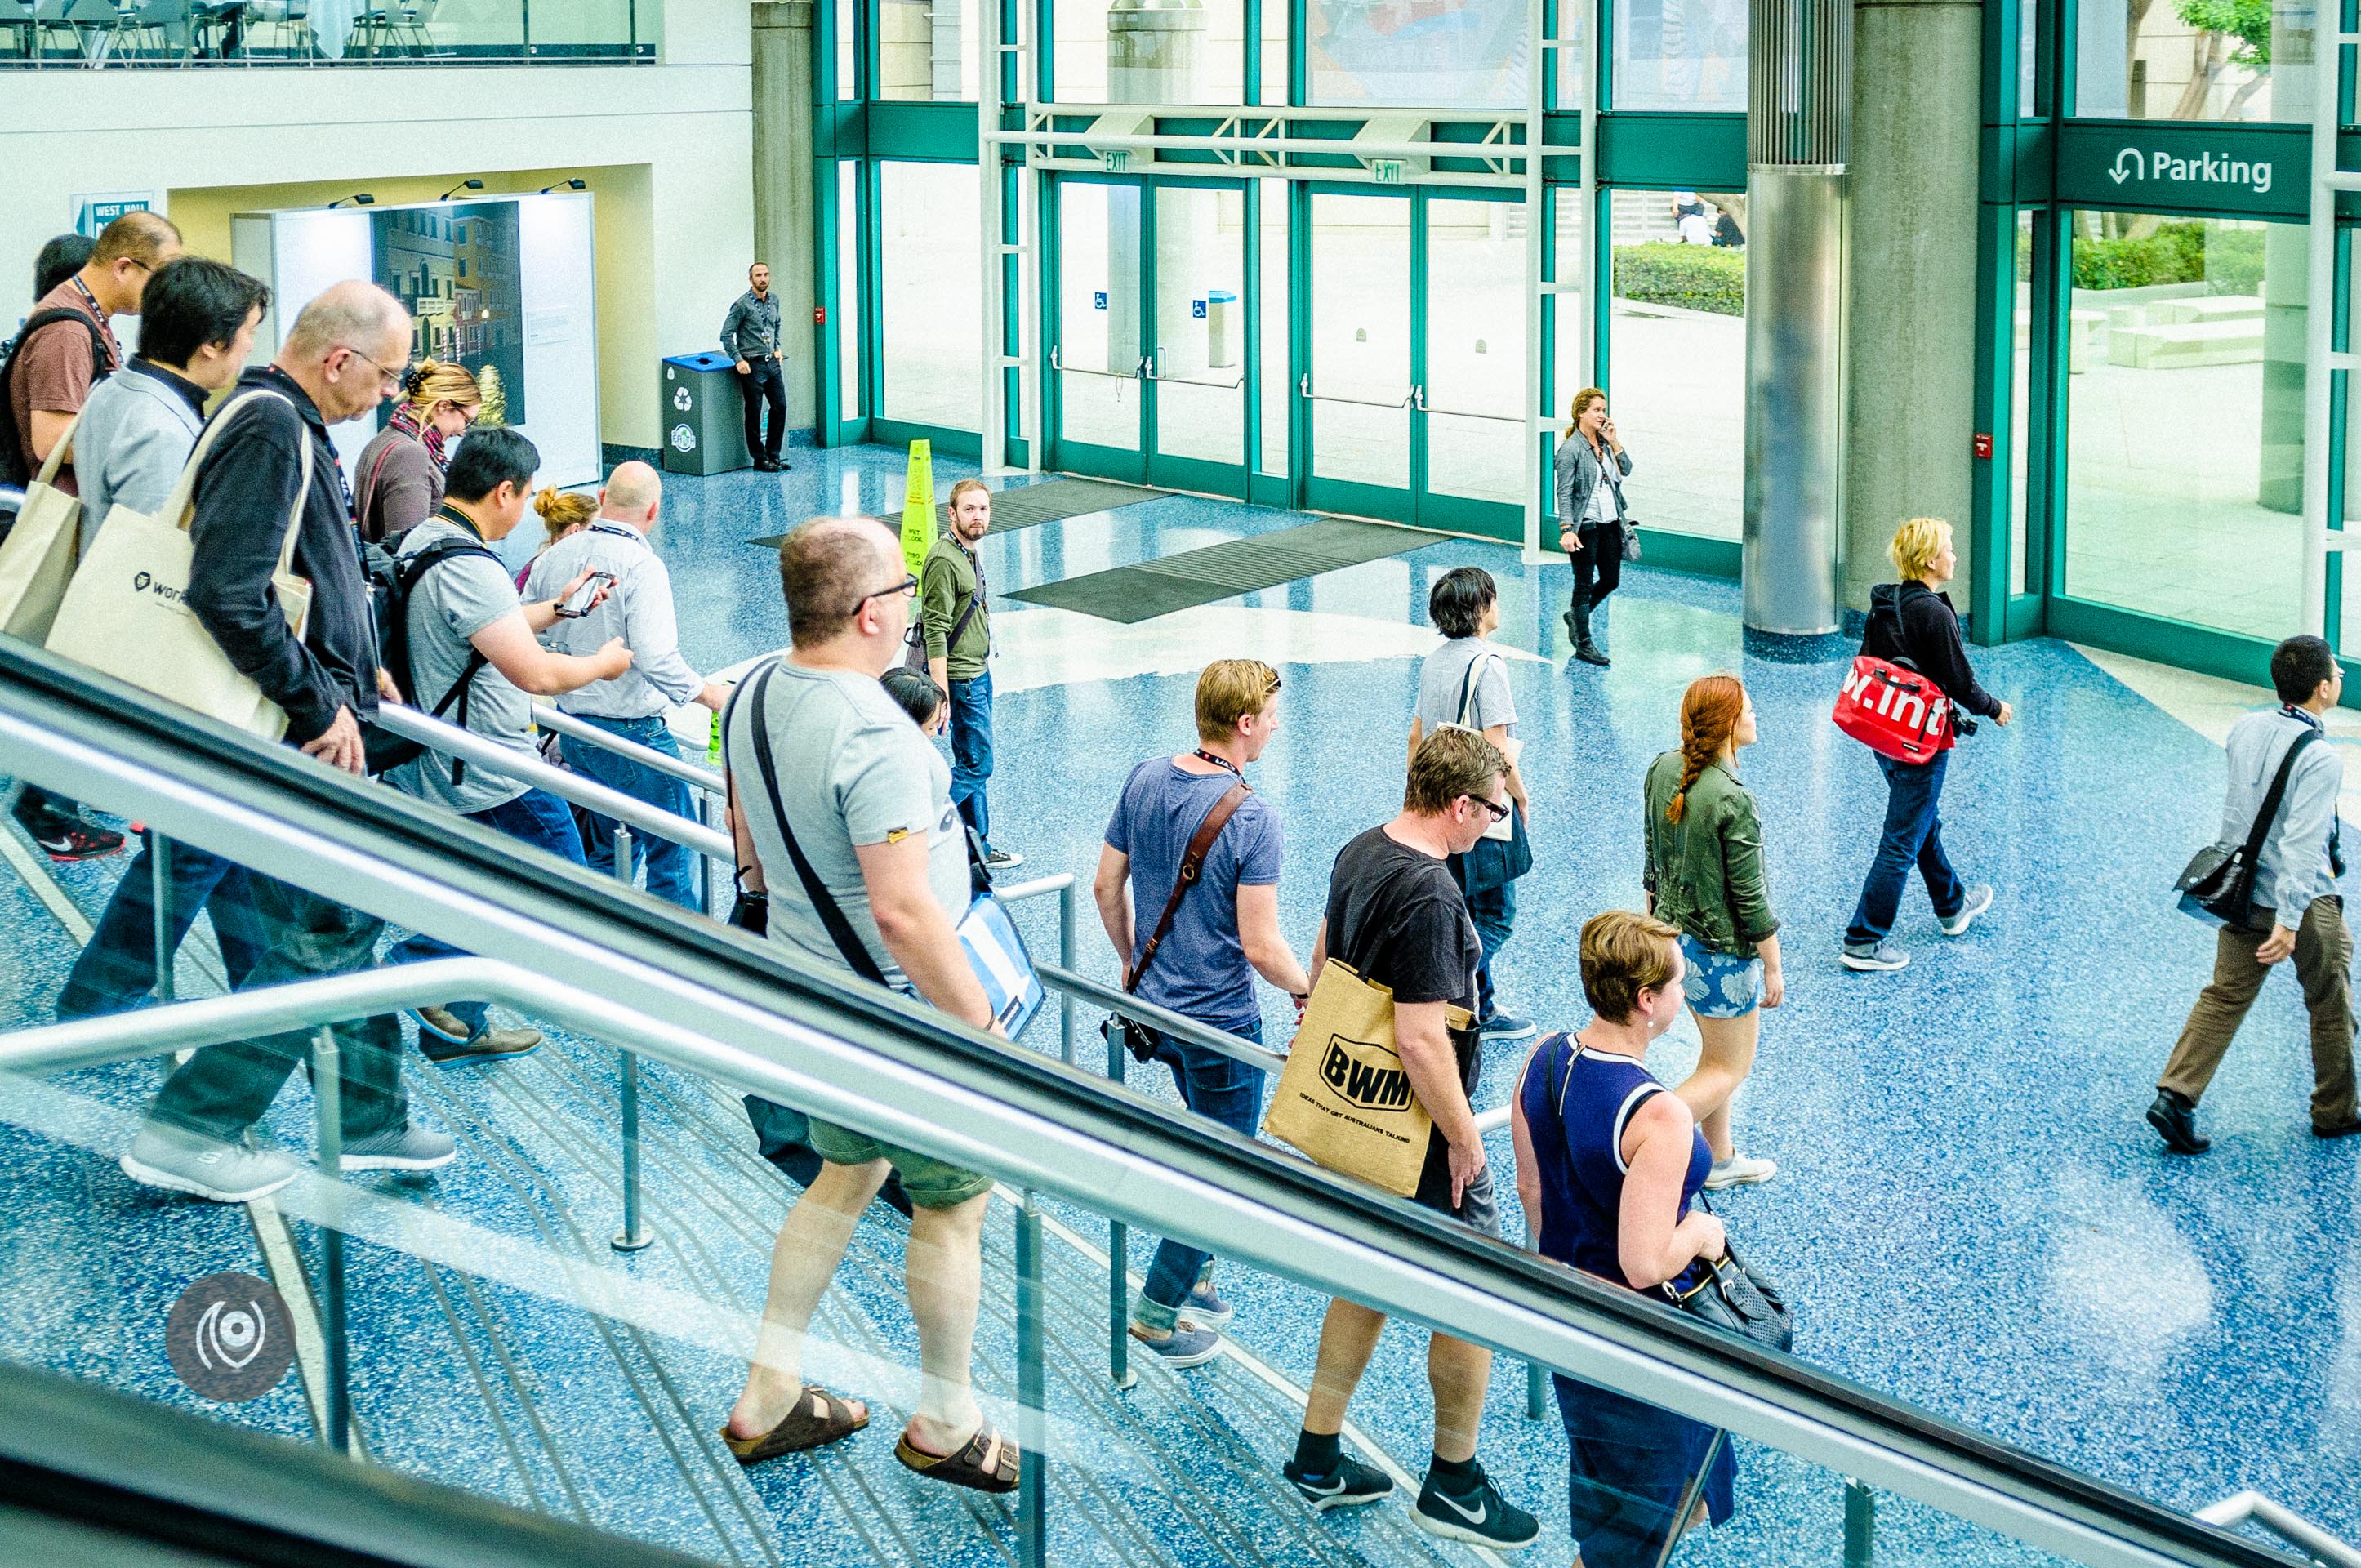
x: 690, y: 126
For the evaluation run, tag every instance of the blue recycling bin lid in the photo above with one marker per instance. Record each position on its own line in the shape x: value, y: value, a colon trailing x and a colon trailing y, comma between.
x: 1222, y: 294
x: 711, y: 359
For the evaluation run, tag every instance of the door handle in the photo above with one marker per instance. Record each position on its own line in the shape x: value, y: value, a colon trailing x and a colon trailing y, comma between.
x: 1418, y: 398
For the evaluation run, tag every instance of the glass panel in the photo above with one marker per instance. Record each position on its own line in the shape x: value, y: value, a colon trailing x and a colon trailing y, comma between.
x: 1476, y: 349
x: 926, y: 50
x: 2349, y: 619
x: 1145, y: 54
x: 1680, y: 54
x: 848, y: 46
x: 1274, y: 53
x: 1678, y: 356
x: 1360, y: 338
x: 2028, y: 34
x: 2020, y: 417
x: 1467, y: 55
x: 2194, y: 59
x: 2185, y: 418
x: 848, y: 285
x: 932, y: 301
x: 1573, y: 53
x: 1568, y: 311
x: 1200, y: 344
x: 1278, y: 385
x: 1098, y: 313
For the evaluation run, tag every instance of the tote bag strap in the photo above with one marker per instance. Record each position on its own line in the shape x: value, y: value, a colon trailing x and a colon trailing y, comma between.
x: 179, y: 505
x: 48, y: 474
x: 295, y: 512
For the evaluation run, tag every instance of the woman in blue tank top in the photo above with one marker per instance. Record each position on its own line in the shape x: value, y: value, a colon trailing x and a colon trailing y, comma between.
x: 1609, y: 1164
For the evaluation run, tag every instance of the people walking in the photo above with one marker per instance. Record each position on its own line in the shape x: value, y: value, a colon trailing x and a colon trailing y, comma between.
x: 1912, y: 623
x: 1466, y: 683
x: 400, y: 471
x: 2298, y: 911
x: 1188, y: 889
x: 632, y: 706
x: 1704, y: 876
x: 956, y: 622
x: 750, y: 335
x: 1609, y: 1165
x: 1396, y: 916
x: 1591, y: 519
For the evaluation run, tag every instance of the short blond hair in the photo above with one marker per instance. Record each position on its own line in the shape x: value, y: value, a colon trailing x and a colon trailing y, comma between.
x: 1229, y: 690
x: 1451, y: 761
x: 1623, y: 954
x: 1916, y: 544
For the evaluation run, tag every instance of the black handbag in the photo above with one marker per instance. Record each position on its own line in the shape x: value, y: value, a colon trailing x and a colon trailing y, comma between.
x: 2217, y: 886
x: 1732, y: 1297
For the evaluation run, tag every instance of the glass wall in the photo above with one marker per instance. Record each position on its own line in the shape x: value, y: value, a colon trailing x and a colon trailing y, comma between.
x: 1676, y: 356
x: 1470, y: 54
x: 1680, y: 54
x: 1474, y: 388
x: 1278, y: 383
x: 2185, y: 418
x: 1360, y: 338
x: 2193, y: 60
x: 926, y: 50
x: 1178, y: 54
x: 2020, y: 417
x: 930, y: 326
x: 848, y: 293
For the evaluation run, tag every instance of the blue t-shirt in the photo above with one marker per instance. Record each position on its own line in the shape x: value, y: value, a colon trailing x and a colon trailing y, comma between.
x: 1201, y: 971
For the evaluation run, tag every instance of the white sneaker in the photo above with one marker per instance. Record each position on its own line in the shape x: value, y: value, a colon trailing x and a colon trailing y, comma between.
x: 400, y: 1149
x: 1980, y: 898
x: 180, y: 1161
x: 1739, y: 1170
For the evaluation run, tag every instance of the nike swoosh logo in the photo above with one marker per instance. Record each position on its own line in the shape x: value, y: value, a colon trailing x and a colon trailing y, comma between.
x: 1473, y: 1516
x: 1328, y: 1491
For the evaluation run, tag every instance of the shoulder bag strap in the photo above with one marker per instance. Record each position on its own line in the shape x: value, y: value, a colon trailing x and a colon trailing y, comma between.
x: 302, y: 497
x: 1192, y: 866
x: 180, y: 506
x: 2269, y: 811
x: 49, y: 472
x: 839, y: 929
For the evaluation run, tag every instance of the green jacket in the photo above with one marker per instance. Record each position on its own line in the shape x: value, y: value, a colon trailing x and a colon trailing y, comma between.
x: 947, y: 581
x: 1705, y: 872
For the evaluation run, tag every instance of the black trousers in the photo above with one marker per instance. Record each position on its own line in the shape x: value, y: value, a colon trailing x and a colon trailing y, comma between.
x: 763, y: 383
x: 1598, y: 566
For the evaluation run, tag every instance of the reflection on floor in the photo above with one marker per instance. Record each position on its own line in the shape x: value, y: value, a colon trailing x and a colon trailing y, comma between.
x: 1969, y: 1209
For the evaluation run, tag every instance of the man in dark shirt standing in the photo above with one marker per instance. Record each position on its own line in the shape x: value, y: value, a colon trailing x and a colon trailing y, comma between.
x: 344, y: 356
x: 751, y: 336
x: 1396, y: 916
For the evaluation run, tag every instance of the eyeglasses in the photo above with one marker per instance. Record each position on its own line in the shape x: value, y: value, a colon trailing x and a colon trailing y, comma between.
x: 1272, y: 690
x: 907, y: 587
x: 1500, y: 812
x: 391, y: 380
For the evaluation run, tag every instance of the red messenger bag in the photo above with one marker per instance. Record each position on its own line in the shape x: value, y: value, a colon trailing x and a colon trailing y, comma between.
x: 1894, y: 711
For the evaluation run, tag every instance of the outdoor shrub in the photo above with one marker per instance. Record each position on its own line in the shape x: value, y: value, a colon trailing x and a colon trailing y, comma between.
x: 1693, y: 277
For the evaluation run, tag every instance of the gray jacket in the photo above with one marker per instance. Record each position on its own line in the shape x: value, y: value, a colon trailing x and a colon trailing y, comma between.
x: 2294, y: 868
x: 1579, y: 471
x: 752, y: 328
x: 136, y: 435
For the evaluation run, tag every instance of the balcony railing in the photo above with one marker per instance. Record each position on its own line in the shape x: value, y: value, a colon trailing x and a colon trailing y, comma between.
x: 182, y: 33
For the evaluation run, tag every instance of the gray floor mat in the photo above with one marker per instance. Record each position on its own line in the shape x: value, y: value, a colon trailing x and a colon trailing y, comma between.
x: 1025, y: 506
x: 1150, y: 589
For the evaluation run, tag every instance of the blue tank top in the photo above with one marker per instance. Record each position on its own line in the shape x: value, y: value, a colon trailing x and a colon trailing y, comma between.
x: 1577, y: 1104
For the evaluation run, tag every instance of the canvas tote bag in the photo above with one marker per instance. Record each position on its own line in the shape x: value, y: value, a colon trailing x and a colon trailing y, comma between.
x: 1344, y: 1099
x: 37, y: 561
x: 126, y: 612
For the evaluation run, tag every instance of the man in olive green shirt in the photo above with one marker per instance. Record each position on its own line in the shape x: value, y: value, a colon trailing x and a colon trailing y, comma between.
x: 956, y: 623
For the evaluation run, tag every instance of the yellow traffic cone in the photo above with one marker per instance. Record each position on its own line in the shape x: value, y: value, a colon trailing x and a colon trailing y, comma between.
x: 918, y: 506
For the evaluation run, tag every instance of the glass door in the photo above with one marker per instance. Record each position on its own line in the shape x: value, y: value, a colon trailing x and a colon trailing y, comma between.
x: 1468, y: 406
x: 1196, y: 374
x: 1098, y: 362
x: 1360, y: 385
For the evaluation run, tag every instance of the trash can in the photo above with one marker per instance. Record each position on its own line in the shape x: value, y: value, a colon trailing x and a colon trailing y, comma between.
x: 1221, y: 324
x: 704, y: 417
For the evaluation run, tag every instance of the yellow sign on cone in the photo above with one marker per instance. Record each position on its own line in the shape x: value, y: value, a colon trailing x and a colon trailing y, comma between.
x: 918, y: 506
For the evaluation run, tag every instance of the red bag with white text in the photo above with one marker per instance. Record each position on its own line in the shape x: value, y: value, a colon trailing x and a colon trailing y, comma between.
x: 1894, y: 711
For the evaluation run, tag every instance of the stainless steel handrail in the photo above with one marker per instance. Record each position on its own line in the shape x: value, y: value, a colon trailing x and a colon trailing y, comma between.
x: 2284, y: 1523
x: 1163, y: 1020
x: 562, y: 723
x: 1138, y: 372
x: 1304, y: 386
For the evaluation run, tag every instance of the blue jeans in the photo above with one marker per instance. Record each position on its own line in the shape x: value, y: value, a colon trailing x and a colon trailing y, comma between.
x: 1914, y: 836
x: 672, y: 869
x: 1494, y: 911
x: 117, y: 968
x: 972, y: 751
x: 1226, y: 1091
x: 537, y: 818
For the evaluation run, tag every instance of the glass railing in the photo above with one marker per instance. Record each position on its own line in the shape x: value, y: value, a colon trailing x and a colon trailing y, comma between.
x: 60, y: 33
x: 507, y: 1325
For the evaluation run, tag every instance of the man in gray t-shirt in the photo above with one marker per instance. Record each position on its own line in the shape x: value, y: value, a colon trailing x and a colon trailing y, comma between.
x: 466, y: 624
x: 869, y: 804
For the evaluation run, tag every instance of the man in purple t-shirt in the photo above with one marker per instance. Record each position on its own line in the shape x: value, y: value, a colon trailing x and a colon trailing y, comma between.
x: 1224, y: 931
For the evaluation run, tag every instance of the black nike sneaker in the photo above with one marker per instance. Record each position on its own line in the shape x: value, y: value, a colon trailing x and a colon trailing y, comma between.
x: 1481, y: 1518
x: 72, y: 838
x: 1349, y: 1486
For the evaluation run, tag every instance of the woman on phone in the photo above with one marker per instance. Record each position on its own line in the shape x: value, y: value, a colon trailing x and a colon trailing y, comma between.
x: 1591, y: 466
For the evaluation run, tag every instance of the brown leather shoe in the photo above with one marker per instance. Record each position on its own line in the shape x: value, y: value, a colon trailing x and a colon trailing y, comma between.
x: 2344, y: 1129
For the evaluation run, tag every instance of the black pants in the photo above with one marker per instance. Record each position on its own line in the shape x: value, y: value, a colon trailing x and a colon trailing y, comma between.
x: 763, y: 383
x: 1598, y: 568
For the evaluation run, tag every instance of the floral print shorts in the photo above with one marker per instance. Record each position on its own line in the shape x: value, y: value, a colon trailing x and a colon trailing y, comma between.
x: 1718, y: 985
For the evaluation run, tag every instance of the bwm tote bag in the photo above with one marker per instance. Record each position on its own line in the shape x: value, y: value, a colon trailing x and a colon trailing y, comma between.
x: 126, y: 612
x: 1344, y: 1099
x: 37, y: 561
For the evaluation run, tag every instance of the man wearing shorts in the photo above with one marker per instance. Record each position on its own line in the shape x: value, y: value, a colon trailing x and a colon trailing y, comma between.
x: 1397, y: 917
x: 869, y: 803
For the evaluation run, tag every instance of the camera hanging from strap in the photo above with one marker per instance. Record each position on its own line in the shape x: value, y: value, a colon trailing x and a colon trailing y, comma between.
x: 1136, y: 1039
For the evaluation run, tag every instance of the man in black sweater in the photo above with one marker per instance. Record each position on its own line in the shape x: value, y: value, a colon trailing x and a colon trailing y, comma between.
x: 344, y: 354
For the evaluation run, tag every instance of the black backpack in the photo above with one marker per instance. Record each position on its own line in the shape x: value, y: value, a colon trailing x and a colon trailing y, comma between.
x: 391, y: 582
x: 17, y: 466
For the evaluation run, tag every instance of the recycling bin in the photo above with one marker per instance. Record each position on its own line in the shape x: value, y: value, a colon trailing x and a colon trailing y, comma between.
x: 704, y: 417
x: 1221, y: 325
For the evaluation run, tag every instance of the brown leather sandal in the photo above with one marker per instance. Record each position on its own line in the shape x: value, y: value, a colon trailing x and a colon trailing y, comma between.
x: 816, y: 1419
x: 989, y: 1463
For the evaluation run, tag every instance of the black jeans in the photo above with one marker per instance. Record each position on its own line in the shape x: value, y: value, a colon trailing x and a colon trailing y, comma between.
x: 1598, y: 566
x: 764, y: 383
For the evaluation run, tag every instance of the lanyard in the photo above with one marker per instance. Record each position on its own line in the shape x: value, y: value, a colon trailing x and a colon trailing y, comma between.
x: 1204, y: 756
x: 450, y: 513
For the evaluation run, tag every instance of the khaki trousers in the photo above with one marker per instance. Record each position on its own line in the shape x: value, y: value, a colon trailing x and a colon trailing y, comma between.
x: 2324, y: 959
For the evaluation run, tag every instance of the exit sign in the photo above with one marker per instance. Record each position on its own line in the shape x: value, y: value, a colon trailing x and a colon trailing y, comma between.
x: 1386, y: 170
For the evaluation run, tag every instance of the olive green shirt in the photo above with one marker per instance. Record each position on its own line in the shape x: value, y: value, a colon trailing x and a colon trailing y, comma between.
x: 948, y: 580
x: 1704, y: 873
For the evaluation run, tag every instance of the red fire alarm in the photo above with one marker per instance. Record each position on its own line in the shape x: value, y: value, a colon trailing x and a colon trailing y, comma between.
x: 1982, y: 445
x: 819, y: 318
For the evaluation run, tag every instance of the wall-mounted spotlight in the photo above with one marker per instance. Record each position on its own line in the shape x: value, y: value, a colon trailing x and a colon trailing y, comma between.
x: 359, y: 199
x: 569, y: 184
x: 462, y: 185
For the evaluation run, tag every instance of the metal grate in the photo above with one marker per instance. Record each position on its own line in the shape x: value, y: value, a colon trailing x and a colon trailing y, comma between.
x: 1799, y: 84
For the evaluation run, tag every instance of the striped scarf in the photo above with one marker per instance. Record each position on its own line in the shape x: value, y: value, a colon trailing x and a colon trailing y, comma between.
x: 406, y: 421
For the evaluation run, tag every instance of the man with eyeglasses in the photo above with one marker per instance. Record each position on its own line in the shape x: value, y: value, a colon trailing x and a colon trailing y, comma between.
x: 47, y: 377
x: 1397, y: 917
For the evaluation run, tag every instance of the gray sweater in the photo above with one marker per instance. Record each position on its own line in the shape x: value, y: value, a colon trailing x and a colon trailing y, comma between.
x: 2294, y: 868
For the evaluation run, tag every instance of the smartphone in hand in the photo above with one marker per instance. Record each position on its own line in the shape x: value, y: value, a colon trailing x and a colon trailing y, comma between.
x: 578, y: 604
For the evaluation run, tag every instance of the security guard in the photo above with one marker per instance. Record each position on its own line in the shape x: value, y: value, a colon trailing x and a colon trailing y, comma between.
x: 751, y: 336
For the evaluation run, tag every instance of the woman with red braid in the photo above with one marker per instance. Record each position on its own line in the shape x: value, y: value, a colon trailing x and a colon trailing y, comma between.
x: 1704, y: 874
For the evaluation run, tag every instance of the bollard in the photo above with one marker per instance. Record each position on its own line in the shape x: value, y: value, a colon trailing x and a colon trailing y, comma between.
x: 160, y: 884
x: 633, y: 1236
x: 1032, y: 1424
x: 327, y: 1095
x: 1860, y: 1525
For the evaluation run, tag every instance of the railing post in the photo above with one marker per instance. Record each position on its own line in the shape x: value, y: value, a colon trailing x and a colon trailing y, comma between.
x: 706, y: 879
x: 1032, y: 1435
x: 1066, y: 962
x: 1536, y: 1381
x: 327, y: 1096
x: 633, y: 1236
x: 1118, y: 1256
x: 1860, y: 1525
x: 159, y: 886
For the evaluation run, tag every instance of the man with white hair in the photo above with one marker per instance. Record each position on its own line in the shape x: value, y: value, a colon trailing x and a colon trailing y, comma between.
x: 344, y: 354
x: 639, y: 609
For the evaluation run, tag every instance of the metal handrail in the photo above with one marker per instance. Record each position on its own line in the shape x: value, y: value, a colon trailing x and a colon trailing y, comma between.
x: 1133, y: 374
x: 1193, y: 381
x: 2284, y: 1523
x: 559, y: 722
x: 1163, y: 1020
x: 1304, y: 386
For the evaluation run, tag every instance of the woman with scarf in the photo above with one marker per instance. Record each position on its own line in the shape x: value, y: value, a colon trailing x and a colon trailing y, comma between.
x: 397, y: 483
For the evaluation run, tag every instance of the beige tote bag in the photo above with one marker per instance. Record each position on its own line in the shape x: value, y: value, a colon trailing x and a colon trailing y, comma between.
x: 37, y: 561
x: 126, y: 612
x: 1344, y: 1099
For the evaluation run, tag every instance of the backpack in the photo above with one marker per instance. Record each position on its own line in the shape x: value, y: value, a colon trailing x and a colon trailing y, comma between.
x: 391, y: 582
x: 17, y: 466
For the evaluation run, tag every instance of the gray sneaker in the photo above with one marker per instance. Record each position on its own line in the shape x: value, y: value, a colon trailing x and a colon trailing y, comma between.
x: 181, y: 1161
x: 1189, y: 1344
x: 1980, y: 898
x: 1877, y: 958
x: 400, y: 1148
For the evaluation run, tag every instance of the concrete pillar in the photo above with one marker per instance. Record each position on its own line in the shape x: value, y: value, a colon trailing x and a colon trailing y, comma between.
x: 783, y: 191
x: 1916, y: 109
x: 1154, y: 47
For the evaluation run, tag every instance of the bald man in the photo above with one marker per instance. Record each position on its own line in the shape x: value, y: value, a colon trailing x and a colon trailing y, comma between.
x: 632, y: 706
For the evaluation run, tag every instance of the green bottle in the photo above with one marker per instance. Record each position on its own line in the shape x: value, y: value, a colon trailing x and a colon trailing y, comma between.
x: 713, y: 738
